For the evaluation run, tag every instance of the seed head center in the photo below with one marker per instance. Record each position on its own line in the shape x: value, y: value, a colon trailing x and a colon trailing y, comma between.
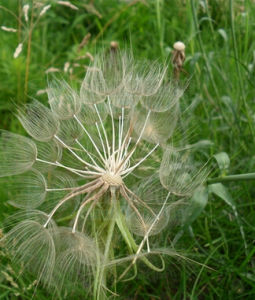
x: 112, y: 179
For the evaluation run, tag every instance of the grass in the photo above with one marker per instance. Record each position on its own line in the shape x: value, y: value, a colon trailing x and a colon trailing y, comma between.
x: 220, y: 42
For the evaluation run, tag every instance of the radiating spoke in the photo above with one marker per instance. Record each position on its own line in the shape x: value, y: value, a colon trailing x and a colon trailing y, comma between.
x: 59, y: 190
x: 96, y: 196
x: 101, y: 140
x: 75, y: 171
x: 121, y: 128
x: 131, y: 169
x: 104, y: 131
x: 93, y: 204
x: 125, y: 195
x: 89, y: 136
x: 76, y: 155
x: 146, y: 236
x: 138, y: 199
x: 137, y: 142
x: 88, y: 188
x: 113, y: 135
x: 89, y: 155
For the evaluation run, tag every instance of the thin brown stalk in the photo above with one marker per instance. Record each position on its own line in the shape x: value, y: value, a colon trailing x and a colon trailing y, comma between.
x: 88, y: 212
x: 95, y: 197
x: 87, y: 188
x: 126, y: 197
x: 95, y: 183
x: 84, y: 42
x: 129, y: 133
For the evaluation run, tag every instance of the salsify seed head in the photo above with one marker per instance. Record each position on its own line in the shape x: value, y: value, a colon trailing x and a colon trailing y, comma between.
x: 111, y: 136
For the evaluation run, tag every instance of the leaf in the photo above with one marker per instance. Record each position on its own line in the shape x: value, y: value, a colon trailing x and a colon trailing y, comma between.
x: 219, y: 190
x: 248, y: 276
x: 223, y: 160
x: 196, y: 206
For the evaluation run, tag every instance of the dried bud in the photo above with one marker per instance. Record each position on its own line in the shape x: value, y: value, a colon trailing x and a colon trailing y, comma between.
x: 114, y: 45
x: 178, y: 58
x: 179, y: 46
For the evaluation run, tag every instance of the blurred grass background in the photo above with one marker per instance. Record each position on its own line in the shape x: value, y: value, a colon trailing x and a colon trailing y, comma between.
x: 220, y: 60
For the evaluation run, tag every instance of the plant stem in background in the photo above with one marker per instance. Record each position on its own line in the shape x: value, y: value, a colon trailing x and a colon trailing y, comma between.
x: 19, y: 40
x: 28, y: 52
x: 201, y: 46
x: 114, y: 18
x: 207, y: 64
x: 240, y: 78
x: 238, y: 177
x: 159, y: 5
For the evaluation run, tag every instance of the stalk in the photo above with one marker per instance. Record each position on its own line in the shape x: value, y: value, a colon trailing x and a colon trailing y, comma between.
x: 207, y: 63
x: 19, y: 39
x: 101, y: 276
x: 238, y: 70
x: 159, y: 4
x: 133, y: 247
x: 29, y: 51
x: 238, y: 177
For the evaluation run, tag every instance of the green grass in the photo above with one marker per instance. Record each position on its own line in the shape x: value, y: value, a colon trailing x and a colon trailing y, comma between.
x: 220, y: 63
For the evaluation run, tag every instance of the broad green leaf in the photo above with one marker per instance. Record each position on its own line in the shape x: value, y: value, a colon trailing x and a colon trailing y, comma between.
x: 223, y: 160
x: 219, y: 190
x: 196, y: 206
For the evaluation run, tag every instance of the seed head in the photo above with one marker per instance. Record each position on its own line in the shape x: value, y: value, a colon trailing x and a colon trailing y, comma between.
x: 92, y: 145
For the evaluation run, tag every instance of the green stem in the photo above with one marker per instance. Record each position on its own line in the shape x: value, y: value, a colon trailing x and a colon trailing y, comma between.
x: 201, y: 46
x: 121, y: 223
x: 101, y: 279
x: 233, y: 33
x: 207, y: 64
x: 238, y: 70
x: 159, y: 5
x: 19, y: 89
x: 238, y: 177
x: 29, y: 52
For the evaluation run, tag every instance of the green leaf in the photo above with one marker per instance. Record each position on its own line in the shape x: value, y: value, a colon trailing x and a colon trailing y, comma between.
x: 219, y: 190
x: 196, y: 206
x: 223, y: 160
